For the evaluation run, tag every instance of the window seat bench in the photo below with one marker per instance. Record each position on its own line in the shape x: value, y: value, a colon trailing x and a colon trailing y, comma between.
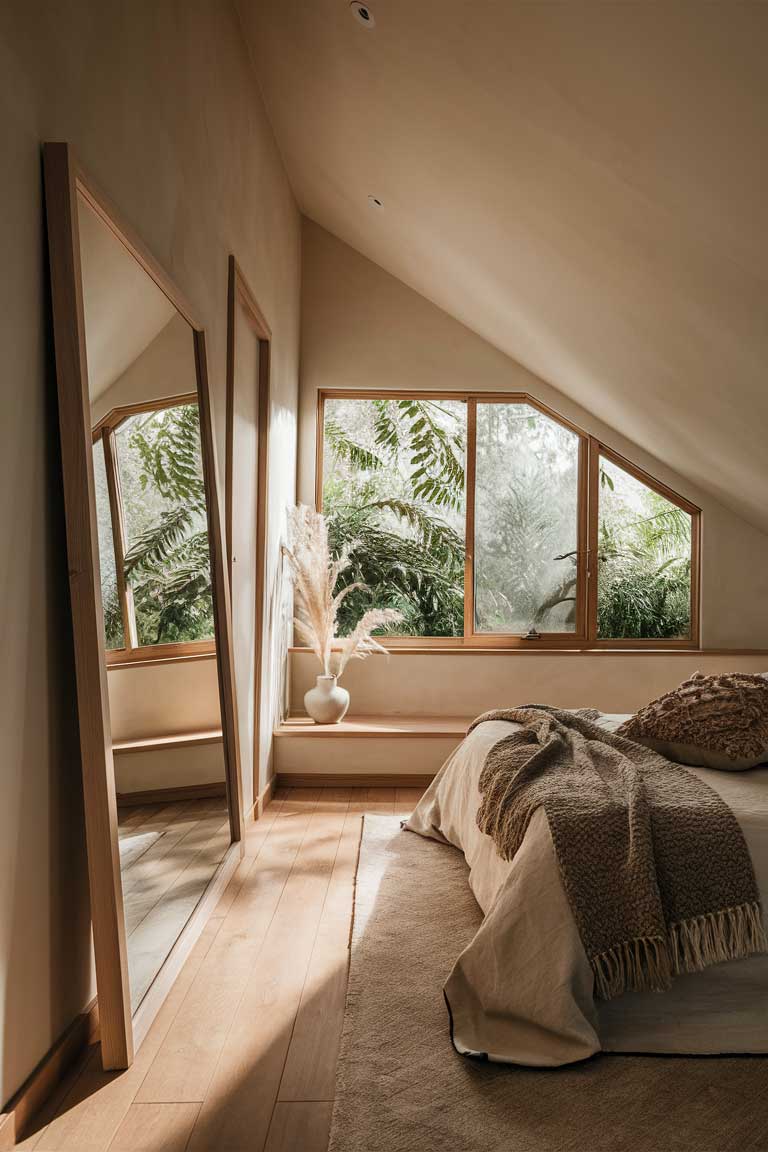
x: 378, y: 751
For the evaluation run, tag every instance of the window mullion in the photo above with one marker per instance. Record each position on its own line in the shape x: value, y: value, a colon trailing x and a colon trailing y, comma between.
x: 592, y: 524
x: 469, y: 538
x: 582, y: 545
x: 118, y: 535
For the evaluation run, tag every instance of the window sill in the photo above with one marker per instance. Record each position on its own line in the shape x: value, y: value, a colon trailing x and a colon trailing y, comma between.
x: 162, y: 654
x: 425, y: 648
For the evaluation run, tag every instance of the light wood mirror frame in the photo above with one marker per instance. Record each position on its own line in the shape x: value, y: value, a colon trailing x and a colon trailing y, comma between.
x: 240, y: 299
x: 120, y: 1031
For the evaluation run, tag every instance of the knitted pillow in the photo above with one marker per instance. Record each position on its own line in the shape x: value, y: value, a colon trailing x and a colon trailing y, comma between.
x: 711, y: 721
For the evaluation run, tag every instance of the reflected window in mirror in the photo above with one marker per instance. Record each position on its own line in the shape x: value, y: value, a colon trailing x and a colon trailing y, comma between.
x: 153, y: 535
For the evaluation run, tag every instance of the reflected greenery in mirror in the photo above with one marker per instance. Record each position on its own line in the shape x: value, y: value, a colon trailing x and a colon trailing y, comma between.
x: 161, y: 495
x: 167, y: 562
x: 113, y: 617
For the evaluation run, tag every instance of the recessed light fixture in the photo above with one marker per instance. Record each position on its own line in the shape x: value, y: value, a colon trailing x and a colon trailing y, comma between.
x: 375, y: 202
x: 362, y: 14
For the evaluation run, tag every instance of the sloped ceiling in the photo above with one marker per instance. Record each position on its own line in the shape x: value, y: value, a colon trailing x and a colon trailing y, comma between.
x: 124, y: 308
x: 583, y: 184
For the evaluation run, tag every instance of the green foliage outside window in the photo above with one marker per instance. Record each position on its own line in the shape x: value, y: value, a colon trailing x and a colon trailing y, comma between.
x: 644, y: 561
x: 393, y: 491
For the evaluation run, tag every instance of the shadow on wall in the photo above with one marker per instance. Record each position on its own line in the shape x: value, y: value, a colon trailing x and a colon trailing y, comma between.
x: 49, y: 862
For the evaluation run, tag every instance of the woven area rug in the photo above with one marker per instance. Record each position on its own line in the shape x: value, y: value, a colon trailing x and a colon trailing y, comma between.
x: 400, y: 1085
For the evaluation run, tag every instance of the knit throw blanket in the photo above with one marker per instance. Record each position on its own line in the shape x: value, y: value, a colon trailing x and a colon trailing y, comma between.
x: 653, y: 862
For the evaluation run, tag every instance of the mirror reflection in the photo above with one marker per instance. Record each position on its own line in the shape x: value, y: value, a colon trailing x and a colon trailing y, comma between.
x: 155, y: 573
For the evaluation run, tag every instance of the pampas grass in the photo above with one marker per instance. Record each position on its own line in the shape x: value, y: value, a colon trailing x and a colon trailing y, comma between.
x: 314, y: 573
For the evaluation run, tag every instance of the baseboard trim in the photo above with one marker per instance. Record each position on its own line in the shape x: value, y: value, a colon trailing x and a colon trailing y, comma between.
x: 353, y: 780
x: 170, y: 795
x: 256, y: 811
x: 43, y: 1081
x: 265, y: 796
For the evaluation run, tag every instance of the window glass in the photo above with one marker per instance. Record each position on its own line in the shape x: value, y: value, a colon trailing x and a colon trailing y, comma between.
x: 393, y: 494
x: 167, y: 560
x: 644, y: 560
x: 526, y: 521
x: 113, y: 617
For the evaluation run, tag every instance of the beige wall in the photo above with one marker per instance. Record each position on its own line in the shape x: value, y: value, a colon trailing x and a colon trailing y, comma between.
x: 169, y: 768
x: 166, y: 367
x: 160, y: 102
x: 446, y: 684
x: 160, y: 699
x: 362, y: 328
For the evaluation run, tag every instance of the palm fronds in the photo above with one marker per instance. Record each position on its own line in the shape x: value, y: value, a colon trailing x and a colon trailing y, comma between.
x: 394, y: 518
x: 345, y: 448
x: 168, y: 563
x: 435, y: 453
x: 168, y: 443
x: 153, y: 547
x: 420, y: 575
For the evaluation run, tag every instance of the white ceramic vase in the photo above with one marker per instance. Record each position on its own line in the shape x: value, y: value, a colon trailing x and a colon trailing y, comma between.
x: 326, y: 703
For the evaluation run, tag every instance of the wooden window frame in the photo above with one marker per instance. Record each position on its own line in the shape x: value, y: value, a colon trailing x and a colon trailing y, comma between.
x: 133, y: 652
x: 596, y: 450
x: 590, y: 450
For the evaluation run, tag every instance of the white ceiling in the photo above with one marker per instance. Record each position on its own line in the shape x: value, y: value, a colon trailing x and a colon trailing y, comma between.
x: 583, y: 183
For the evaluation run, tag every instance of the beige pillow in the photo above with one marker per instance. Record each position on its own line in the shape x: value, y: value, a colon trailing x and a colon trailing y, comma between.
x: 712, y: 721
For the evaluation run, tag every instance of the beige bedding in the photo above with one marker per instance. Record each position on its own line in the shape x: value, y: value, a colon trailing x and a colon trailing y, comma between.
x: 522, y: 990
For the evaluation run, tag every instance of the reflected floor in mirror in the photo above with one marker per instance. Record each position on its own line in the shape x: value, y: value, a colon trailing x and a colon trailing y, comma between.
x: 168, y: 856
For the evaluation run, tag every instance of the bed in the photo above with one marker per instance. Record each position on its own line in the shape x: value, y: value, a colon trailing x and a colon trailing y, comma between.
x: 522, y: 991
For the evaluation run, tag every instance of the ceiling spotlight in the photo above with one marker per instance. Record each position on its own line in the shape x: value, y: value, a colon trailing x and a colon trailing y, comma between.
x: 362, y: 14
x: 375, y: 202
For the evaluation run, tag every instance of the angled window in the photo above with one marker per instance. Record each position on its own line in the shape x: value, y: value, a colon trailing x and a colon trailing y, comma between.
x: 153, y: 536
x: 494, y: 521
x: 645, y: 558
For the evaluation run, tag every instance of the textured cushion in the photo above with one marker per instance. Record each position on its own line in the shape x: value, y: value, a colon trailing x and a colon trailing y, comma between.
x: 713, y: 721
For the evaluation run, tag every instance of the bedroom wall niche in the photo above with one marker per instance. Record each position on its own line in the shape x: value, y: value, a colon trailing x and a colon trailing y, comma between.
x: 149, y: 602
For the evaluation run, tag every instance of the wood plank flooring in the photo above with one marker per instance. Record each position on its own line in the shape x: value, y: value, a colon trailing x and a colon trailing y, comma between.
x: 242, y: 1055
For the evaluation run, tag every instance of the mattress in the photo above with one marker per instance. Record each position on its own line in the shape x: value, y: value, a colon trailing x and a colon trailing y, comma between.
x: 521, y: 992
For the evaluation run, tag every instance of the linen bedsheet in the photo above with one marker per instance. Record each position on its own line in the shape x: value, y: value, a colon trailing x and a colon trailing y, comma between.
x: 521, y: 992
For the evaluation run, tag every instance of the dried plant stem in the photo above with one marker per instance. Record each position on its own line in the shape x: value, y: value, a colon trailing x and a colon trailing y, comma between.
x: 315, y: 574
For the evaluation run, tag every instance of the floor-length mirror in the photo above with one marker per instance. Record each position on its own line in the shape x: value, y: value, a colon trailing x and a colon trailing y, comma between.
x: 176, y: 808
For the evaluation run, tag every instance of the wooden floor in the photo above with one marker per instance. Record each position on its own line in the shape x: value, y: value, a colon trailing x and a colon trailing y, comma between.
x: 168, y: 856
x: 242, y: 1055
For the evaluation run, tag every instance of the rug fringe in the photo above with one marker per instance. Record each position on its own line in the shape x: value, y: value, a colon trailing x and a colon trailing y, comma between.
x: 647, y: 964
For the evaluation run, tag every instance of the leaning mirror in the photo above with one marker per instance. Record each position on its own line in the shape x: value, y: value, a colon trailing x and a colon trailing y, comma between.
x: 149, y: 603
